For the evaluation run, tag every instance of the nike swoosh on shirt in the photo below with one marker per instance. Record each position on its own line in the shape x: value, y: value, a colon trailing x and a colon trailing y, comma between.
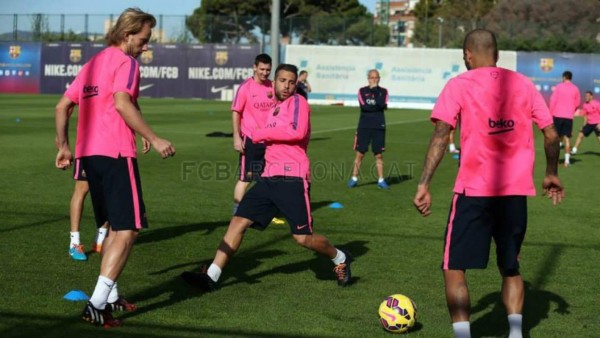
x: 146, y: 86
x: 218, y: 89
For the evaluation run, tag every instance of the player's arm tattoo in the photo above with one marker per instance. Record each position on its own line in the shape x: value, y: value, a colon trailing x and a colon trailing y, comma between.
x: 552, y: 149
x: 437, y: 149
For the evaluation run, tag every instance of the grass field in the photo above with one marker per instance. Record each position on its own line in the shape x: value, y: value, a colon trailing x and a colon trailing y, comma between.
x: 274, y: 288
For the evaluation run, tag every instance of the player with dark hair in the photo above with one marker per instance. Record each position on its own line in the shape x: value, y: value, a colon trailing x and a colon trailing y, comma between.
x: 251, y: 104
x: 106, y: 90
x: 497, y: 109
x: 591, y: 119
x: 303, y: 87
x: 284, y: 186
x: 564, y: 102
x: 373, y: 101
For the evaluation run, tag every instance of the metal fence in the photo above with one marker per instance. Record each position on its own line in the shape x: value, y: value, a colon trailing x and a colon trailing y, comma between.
x: 214, y: 29
x: 84, y: 27
x: 577, y: 36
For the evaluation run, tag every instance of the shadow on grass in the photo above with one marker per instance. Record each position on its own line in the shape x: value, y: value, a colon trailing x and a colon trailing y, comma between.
x: 321, y: 266
x: 589, y: 153
x: 178, y: 291
x: 170, y: 232
x: 390, y: 180
x: 40, y: 325
x: 318, y: 205
x: 393, y: 180
x: 34, y: 224
x: 538, y: 304
x: 238, y: 271
x: 319, y: 138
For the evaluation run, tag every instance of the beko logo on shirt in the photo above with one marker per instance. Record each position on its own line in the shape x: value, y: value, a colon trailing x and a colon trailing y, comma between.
x: 502, y: 124
x: 90, y: 91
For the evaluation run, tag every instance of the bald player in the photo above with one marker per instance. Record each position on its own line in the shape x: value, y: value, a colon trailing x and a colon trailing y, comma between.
x: 497, y: 108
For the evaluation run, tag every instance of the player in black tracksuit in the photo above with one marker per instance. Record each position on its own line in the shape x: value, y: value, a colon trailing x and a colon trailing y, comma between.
x: 371, y: 127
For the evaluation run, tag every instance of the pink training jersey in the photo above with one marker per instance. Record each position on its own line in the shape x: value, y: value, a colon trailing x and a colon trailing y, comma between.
x: 253, y: 101
x: 564, y: 100
x: 100, y: 128
x: 286, y: 135
x: 496, y: 108
x: 592, y: 111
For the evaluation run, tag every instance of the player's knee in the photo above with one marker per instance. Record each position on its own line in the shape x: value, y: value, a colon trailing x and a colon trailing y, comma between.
x: 303, y: 240
x: 239, y: 224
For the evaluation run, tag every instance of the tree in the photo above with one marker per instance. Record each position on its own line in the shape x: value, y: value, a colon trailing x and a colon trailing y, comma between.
x: 227, y: 21
x: 39, y: 26
x: 309, y: 21
x: 547, y: 25
x: 424, y: 28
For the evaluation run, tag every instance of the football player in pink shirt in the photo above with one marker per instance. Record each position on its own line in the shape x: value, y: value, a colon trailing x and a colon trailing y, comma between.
x: 496, y: 108
x: 106, y: 91
x: 284, y: 186
x: 252, y: 103
x: 591, y: 119
x: 564, y: 102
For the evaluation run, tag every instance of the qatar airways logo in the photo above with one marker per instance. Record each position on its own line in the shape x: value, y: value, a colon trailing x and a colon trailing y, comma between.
x: 263, y: 105
x: 502, y: 124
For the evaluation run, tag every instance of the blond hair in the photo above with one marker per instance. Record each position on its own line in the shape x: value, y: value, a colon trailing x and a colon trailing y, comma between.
x: 131, y: 21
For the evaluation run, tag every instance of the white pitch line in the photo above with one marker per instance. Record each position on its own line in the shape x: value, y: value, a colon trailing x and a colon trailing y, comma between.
x: 350, y: 128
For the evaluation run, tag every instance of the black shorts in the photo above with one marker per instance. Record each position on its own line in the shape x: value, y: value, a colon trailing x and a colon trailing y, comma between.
x: 116, y: 192
x: 78, y: 172
x: 472, y: 224
x: 589, y: 128
x: 278, y: 195
x: 364, y: 136
x: 564, y: 127
x: 252, y: 161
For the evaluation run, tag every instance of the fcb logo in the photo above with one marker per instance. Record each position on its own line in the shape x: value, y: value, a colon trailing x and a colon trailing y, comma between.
x: 546, y: 64
x: 147, y: 56
x: 221, y: 58
x: 75, y: 55
x: 14, y: 51
x: 276, y: 111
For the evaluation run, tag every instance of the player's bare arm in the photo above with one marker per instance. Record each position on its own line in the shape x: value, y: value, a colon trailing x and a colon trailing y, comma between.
x: 552, y: 186
x: 62, y: 114
x: 435, y: 153
x: 133, y: 118
x: 238, y: 143
x: 146, y: 145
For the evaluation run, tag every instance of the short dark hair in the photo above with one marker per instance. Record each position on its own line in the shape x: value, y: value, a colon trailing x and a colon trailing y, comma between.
x: 589, y: 92
x: 288, y: 68
x: 262, y: 58
x: 481, y: 41
x: 302, y: 72
x: 567, y: 75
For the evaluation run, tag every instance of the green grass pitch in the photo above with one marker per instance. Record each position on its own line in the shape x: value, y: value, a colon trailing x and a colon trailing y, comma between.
x: 273, y: 287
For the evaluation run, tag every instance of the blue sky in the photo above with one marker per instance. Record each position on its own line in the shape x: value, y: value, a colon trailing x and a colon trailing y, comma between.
x: 165, y: 7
